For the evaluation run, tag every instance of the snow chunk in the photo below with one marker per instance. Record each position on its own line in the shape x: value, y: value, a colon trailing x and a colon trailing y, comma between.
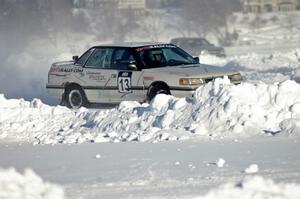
x: 160, y: 104
x: 253, y: 168
x: 177, y: 163
x: 220, y: 162
x: 98, y: 156
x: 14, y: 185
x: 254, y: 188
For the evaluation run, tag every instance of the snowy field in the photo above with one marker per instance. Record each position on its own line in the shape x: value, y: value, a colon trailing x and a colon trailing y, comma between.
x: 228, y: 141
x: 266, y: 28
x: 181, y: 169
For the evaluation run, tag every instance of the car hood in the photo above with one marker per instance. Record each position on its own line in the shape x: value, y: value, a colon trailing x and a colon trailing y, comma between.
x: 195, y: 70
x: 63, y: 63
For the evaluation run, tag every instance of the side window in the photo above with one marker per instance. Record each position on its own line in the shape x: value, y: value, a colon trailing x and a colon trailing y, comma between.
x: 121, y: 58
x: 101, y: 58
x: 81, y: 61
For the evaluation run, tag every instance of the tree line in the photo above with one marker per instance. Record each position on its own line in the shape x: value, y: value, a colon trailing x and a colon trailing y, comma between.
x: 24, y: 20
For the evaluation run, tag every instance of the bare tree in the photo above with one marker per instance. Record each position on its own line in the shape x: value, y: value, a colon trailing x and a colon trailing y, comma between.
x: 20, y: 22
x: 152, y: 26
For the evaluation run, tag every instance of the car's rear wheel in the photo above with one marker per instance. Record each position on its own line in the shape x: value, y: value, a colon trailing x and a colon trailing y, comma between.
x: 157, y: 89
x: 75, y: 97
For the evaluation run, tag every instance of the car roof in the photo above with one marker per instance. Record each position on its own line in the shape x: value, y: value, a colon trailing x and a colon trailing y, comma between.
x: 133, y: 44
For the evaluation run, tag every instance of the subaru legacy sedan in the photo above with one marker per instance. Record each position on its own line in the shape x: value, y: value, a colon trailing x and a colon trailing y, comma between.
x: 130, y: 71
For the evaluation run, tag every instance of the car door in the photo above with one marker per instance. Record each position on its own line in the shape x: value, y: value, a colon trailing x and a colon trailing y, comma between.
x: 98, y: 77
x: 128, y: 84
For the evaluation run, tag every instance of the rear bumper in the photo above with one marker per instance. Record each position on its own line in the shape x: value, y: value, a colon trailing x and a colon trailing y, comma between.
x: 55, y: 90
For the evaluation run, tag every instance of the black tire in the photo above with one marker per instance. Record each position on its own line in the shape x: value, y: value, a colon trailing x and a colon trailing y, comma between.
x: 75, y: 98
x: 155, y: 90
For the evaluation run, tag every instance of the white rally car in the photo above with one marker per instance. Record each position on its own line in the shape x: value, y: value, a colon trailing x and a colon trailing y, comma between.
x: 130, y: 71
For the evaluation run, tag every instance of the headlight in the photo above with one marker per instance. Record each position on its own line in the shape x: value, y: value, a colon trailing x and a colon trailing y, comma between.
x: 235, y: 77
x: 191, y: 81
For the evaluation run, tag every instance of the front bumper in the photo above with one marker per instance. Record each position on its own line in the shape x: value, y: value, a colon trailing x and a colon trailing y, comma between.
x: 189, y: 91
x: 181, y: 92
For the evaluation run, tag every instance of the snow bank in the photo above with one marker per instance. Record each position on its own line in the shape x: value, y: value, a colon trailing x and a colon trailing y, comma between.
x: 254, y: 188
x: 14, y: 185
x: 27, y: 121
x: 217, y: 109
x: 247, y: 108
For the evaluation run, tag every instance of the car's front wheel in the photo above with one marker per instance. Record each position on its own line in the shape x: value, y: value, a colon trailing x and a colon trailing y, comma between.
x: 75, y: 97
x: 157, y: 89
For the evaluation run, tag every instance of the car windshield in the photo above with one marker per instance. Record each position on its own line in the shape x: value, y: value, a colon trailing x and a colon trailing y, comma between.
x: 155, y: 57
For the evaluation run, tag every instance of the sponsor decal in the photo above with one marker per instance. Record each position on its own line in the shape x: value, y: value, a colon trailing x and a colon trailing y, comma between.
x: 97, y: 77
x: 142, y: 48
x: 59, y: 75
x: 65, y: 70
x: 93, y: 73
x: 155, y: 46
x: 124, y: 82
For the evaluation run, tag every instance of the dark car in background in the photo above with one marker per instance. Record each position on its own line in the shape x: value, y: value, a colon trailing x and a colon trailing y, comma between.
x: 198, y: 46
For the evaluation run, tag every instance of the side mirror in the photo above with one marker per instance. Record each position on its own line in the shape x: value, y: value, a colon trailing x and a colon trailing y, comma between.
x: 131, y: 64
x: 197, y: 60
x: 75, y: 58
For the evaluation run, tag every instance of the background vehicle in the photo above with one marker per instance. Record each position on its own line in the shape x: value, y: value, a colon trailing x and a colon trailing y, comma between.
x: 198, y: 46
x: 130, y: 71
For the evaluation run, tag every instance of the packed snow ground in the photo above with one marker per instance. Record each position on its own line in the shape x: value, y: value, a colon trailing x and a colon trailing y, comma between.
x: 181, y: 169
